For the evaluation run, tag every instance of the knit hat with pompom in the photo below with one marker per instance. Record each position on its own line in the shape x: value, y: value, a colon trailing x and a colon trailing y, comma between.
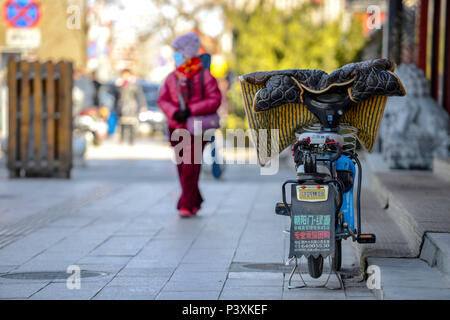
x: 187, y: 44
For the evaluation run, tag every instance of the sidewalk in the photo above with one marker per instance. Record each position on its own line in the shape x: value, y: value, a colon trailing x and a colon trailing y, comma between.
x: 415, y: 261
x: 117, y: 218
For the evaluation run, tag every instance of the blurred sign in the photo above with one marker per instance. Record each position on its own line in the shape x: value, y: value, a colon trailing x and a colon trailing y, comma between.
x: 23, y: 38
x: 311, y: 233
x: 22, y: 13
x: 312, y: 223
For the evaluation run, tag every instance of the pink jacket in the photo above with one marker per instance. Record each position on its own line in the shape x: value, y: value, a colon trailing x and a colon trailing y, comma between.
x: 168, y: 97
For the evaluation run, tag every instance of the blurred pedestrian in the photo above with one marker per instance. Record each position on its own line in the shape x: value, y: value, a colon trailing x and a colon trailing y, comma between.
x: 83, y: 92
x: 194, y: 85
x: 97, y: 84
x: 131, y: 101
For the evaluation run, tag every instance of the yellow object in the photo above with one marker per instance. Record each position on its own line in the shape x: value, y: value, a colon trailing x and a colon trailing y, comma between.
x: 312, y: 193
x: 365, y: 116
x: 219, y: 66
x: 104, y: 112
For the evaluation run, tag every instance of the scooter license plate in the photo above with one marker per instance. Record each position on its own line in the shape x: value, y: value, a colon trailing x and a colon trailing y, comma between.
x: 312, y: 193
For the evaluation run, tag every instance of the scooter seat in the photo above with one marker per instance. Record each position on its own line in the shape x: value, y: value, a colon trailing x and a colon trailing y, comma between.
x: 328, y: 107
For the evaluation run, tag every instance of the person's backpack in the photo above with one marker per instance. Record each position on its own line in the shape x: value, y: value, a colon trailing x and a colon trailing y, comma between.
x: 206, y: 62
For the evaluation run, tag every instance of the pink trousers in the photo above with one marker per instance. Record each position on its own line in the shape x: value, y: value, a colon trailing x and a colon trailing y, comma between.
x: 188, y: 173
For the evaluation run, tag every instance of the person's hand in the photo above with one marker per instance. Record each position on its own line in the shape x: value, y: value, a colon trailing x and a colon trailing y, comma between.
x: 181, y: 115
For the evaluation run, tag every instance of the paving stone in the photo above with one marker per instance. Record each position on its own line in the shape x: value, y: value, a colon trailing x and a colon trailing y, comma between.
x: 72, y: 222
x: 25, y: 248
x: 45, y: 265
x: 313, y: 294
x: 202, y: 267
x: 251, y: 293
x: 207, y: 242
x: 109, y: 260
x: 121, y: 246
x: 404, y: 293
x: 206, y: 255
x: 101, y: 267
x: 239, y: 283
x: 409, y: 279
x: 362, y: 298
x: 266, y: 254
x: 154, y: 253
x: 59, y: 291
x: 200, y: 284
x: 278, y: 276
x: 333, y: 282
x: 6, y: 268
x: 412, y: 273
x: 153, y: 263
x: 79, y: 243
x: 358, y: 292
x: 188, y: 295
x: 155, y: 282
x: 20, y: 290
x: 138, y: 228
x: 171, y: 245
x: 145, y: 272
x: 11, y: 281
x: 126, y: 293
x: 201, y: 277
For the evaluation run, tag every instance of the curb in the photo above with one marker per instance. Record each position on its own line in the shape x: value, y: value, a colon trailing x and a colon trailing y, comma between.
x: 441, y: 168
x: 397, y: 280
x: 397, y: 211
x: 436, y: 253
x: 430, y: 247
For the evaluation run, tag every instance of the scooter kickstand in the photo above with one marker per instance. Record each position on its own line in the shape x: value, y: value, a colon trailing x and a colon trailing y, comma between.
x: 341, y: 283
x: 292, y: 274
x: 305, y: 285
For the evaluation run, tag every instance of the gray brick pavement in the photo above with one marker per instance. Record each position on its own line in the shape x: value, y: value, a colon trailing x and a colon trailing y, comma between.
x: 134, y: 235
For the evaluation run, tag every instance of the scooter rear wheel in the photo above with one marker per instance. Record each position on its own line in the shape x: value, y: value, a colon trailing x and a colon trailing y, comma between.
x: 315, y: 266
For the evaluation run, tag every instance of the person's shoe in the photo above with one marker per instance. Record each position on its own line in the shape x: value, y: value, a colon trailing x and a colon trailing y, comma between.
x: 195, y: 210
x: 185, y: 213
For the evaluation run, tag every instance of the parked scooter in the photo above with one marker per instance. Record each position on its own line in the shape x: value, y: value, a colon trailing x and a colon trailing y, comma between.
x: 303, y: 108
x: 321, y: 207
x: 91, y: 125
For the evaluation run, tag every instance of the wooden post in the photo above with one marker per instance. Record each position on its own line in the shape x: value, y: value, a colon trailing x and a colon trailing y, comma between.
x: 65, y: 119
x: 28, y: 111
x: 421, y: 45
x: 12, y: 118
x: 24, y: 112
x: 37, y: 125
x: 50, y: 106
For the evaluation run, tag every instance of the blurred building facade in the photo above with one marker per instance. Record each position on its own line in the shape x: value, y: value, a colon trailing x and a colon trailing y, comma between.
x: 48, y: 30
x: 99, y: 39
x: 60, y: 33
x: 417, y: 37
x: 418, y: 32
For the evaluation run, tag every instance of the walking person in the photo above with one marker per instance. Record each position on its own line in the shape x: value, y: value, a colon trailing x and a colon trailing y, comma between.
x: 192, y: 86
x: 131, y: 100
